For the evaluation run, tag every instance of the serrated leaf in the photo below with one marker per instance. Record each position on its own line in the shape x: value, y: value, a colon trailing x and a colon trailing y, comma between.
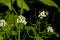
x: 49, y: 3
x: 7, y: 3
x: 21, y: 3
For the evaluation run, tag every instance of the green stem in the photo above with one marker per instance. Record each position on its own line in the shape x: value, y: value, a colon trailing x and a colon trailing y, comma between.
x: 15, y: 37
x: 14, y: 10
x: 30, y: 35
x: 39, y: 26
x: 19, y: 34
x: 24, y: 37
x: 19, y: 31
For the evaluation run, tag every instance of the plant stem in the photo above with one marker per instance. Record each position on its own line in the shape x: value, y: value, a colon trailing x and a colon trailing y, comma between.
x: 19, y: 34
x: 14, y: 10
x: 39, y: 26
x: 15, y: 37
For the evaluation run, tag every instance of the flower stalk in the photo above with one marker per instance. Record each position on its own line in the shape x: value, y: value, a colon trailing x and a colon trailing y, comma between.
x: 19, y: 34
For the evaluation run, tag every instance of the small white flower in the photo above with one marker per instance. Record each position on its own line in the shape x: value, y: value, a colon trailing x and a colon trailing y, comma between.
x: 50, y: 29
x: 3, y: 23
x: 42, y: 14
x: 21, y: 19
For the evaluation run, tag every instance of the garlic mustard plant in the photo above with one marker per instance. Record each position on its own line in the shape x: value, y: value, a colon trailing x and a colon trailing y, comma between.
x: 3, y: 23
x: 21, y: 19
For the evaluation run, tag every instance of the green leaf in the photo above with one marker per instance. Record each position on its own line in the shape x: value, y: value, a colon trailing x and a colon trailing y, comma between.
x: 49, y: 3
x: 28, y: 28
x: 38, y: 38
x: 7, y: 3
x: 22, y: 4
x: 34, y: 30
x: 9, y: 17
x: 13, y: 1
x: 13, y: 32
x: 1, y: 38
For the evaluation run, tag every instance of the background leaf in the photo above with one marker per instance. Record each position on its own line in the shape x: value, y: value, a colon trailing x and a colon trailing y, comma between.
x: 21, y: 3
x: 7, y: 3
x: 13, y: 1
x: 49, y: 3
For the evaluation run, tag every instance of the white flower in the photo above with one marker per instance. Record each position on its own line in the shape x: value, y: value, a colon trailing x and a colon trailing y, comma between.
x: 21, y: 19
x: 3, y: 23
x: 42, y: 14
x: 50, y: 29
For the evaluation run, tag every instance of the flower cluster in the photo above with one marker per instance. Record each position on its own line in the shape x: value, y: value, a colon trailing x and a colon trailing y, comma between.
x: 21, y: 19
x: 50, y: 29
x: 3, y: 23
x: 42, y: 14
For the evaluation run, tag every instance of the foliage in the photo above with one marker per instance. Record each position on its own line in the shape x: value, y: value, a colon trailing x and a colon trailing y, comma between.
x: 22, y: 4
x: 50, y: 3
x: 6, y: 2
x: 15, y: 29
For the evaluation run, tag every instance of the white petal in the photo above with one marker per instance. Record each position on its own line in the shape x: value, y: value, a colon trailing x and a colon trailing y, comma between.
x: 21, y: 19
x: 41, y: 17
x: 5, y: 23
x: 2, y: 20
x: 43, y: 14
x: 25, y: 23
x: 17, y: 20
x: 1, y: 24
x: 38, y: 15
x: 50, y: 29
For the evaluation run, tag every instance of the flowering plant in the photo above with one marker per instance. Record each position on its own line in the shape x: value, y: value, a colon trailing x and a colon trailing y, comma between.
x: 16, y: 22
